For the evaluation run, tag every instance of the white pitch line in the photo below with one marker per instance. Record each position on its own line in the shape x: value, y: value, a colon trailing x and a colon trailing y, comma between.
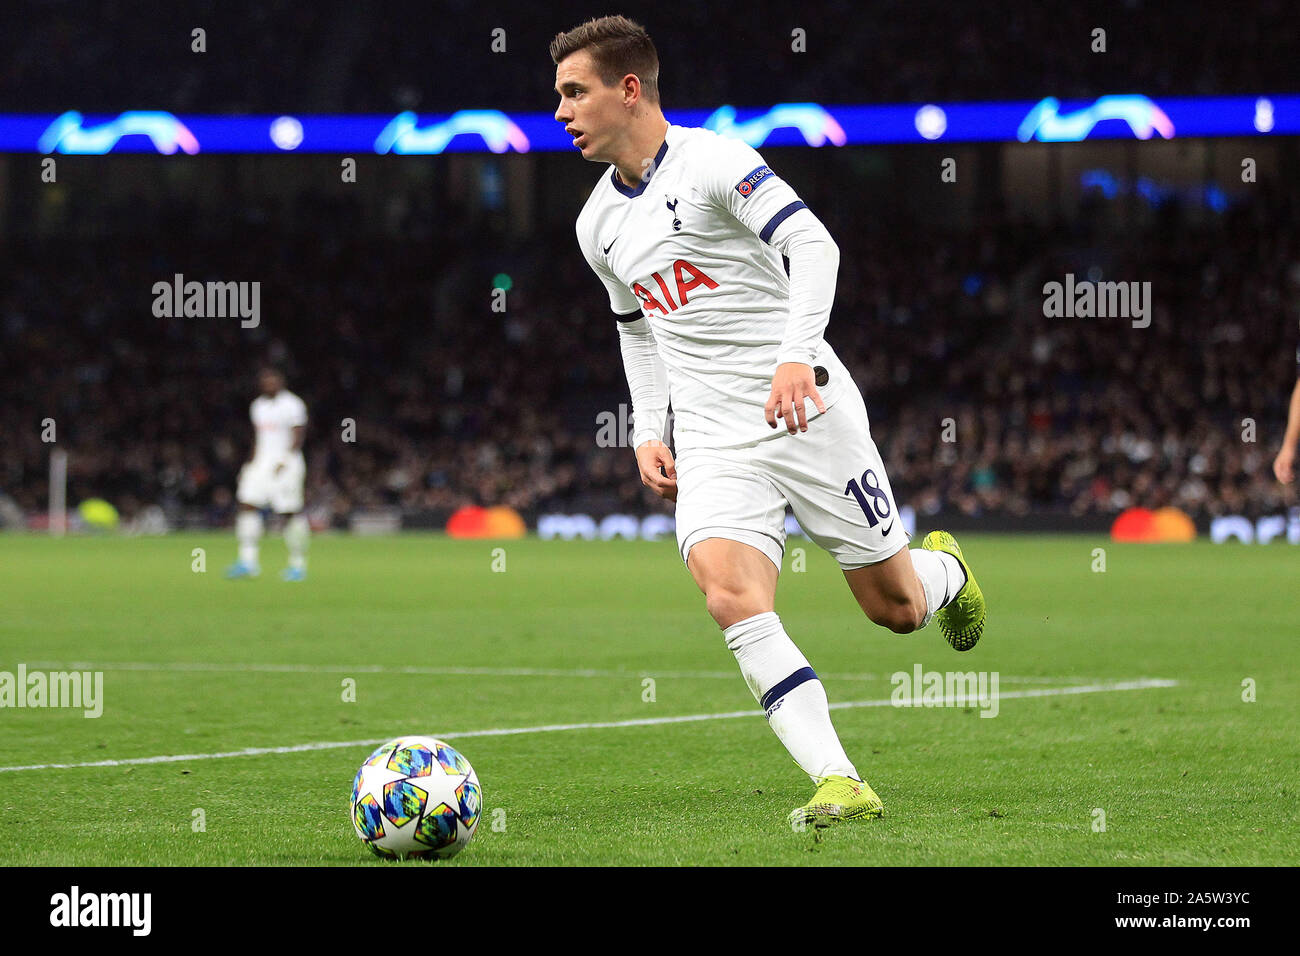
x: 1144, y: 684
x: 245, y: 668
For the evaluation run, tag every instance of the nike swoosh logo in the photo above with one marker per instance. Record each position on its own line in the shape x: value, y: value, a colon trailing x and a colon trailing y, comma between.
x: 885, y: 533
x: 611, y: 245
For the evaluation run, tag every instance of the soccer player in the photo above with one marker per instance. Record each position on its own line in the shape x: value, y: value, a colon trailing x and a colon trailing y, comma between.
x: 272, y: 480
x: 687, y: 230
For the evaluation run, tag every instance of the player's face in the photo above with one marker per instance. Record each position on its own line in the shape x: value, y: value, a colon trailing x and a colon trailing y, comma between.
x: 592, y: 113
x: 269, y: 383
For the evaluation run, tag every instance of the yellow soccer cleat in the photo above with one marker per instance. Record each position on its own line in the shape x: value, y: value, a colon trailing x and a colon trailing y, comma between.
x: 838, y: 800
x: 962, y: 621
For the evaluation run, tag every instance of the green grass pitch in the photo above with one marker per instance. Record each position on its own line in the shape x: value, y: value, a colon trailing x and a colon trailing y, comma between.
x: 438, y: 642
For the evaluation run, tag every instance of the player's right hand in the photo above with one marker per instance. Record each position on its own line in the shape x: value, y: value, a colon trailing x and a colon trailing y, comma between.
x: 1284, y: 465
x: 650, y: 457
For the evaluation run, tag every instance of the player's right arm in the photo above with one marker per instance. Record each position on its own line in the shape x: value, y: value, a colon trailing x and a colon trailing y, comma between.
x: 647, y: 379
x: 252, y: 446
x: 1284, y: 464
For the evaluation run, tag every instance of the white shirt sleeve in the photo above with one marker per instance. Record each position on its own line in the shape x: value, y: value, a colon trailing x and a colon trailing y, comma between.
x: 297, y: 413
x: 814, y: 264
x: 647, y: 380
x: 744, y: 185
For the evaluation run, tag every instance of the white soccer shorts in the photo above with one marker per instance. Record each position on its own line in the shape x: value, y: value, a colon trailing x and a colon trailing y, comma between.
x: 261, y: 487
x: 831, y: 476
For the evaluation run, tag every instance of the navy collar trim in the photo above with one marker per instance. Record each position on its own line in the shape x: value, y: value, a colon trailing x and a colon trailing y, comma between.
x: 630, y: 191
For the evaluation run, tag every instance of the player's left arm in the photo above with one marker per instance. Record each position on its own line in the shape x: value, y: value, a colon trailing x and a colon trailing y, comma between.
x: 298, y: 423
x: 767, y: 205
x: 298, y: 433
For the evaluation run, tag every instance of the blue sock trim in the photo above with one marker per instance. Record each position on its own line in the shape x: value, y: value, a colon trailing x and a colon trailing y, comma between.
x: 790, y: 683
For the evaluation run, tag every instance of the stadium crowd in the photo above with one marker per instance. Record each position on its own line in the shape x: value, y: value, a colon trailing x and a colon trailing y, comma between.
x: 980, y: 403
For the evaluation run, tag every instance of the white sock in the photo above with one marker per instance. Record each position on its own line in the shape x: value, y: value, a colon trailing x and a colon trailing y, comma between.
x: 248, y: 531
x: 297, y: 535
x: 782, y: 681
x: 941, y: 578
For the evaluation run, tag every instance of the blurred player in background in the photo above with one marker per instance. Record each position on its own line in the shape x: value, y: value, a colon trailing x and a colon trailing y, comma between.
x: 687, y: 230
x: 272, y: 480
x: 1284, y: 464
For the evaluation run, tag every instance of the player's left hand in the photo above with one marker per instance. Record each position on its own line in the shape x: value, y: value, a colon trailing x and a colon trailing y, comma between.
x: 792, y: 383
x: 1284, y: 465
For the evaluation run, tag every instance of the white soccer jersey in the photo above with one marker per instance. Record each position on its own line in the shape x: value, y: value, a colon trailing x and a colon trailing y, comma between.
x: 274, y: 419
x: 690, y: 248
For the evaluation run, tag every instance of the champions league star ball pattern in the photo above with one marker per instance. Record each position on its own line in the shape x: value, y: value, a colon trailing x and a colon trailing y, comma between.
x: 416, y: 797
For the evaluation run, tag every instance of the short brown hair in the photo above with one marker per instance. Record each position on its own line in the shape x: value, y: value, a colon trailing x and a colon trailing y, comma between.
x: 618, y: 46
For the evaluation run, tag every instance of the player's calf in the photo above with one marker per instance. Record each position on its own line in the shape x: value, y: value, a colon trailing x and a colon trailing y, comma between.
x: 902, y: 616
x: 889, y: 593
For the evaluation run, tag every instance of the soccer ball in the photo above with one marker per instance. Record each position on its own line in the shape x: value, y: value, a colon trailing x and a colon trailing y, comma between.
x: 416, y: 797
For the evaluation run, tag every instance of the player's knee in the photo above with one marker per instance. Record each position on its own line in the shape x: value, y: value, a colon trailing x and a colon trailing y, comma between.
x: 728, y: 604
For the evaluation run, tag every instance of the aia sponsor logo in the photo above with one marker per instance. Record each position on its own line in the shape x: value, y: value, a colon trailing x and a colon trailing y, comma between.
x: 685, y: 276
